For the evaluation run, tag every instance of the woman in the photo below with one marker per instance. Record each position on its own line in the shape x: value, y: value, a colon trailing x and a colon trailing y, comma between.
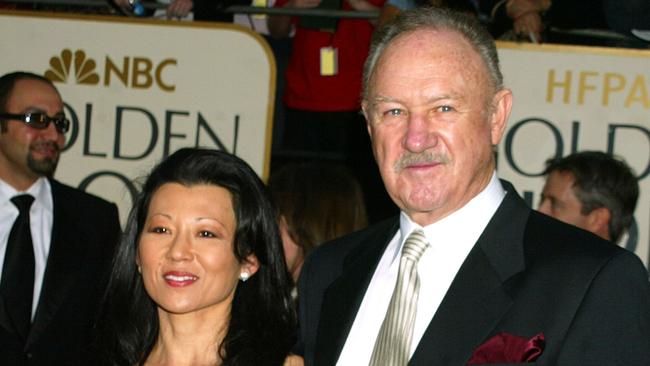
x: 199, y: 276
x: 315, y: 202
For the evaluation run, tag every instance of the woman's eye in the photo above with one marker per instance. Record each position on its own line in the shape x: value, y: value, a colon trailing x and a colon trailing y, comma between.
x: 207, y: 234
x: 445, y: 108
x: 159, y: 230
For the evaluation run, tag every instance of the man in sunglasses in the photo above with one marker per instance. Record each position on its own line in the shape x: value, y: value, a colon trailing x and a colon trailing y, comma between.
x: 56, y: 241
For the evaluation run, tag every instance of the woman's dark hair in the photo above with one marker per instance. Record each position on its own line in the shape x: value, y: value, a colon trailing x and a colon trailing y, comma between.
x: 318, y: 201
x: 262, y: 323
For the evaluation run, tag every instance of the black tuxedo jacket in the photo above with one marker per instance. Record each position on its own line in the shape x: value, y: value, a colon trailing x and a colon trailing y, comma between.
x: 84, y: 233
x: 527, y: 274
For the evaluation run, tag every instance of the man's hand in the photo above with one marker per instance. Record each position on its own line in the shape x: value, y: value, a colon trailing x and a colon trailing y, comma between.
x: 529, y: 25
x: 303, y: 3
x: 280, y: 25
x: 362, y: 5
x: 125, y: 5
x: 517, y: 8
x: 179, y: 8
x: 527, y: 18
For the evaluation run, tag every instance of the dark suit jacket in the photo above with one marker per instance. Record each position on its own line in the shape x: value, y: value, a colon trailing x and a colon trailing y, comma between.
x: 84, y: 233
x: 527, y: 274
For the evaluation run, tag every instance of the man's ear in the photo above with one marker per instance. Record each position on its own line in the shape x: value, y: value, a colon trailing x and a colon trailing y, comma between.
x: 598, y: 222
x: 366, y: 114
x: 499, y: 113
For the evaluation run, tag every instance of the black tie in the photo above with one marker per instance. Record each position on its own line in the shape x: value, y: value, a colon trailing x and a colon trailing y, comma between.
x: 17, y: 284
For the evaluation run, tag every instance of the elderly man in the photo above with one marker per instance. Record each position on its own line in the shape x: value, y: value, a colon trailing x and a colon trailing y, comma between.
x: 468, y: 273
x: 55, y: 241
x: 593, y: 191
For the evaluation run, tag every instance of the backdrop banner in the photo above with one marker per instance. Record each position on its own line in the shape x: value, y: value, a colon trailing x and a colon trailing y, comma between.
x: 137, y: 90
x: 569, y: 99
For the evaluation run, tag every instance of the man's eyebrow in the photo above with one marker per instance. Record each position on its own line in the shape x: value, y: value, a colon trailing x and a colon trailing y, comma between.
x: 454, y: 96
x: 384, y: 99
x: 32, y: 109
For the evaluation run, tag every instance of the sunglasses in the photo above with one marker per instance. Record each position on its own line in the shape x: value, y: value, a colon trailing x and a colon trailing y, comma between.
x: 40, y: 120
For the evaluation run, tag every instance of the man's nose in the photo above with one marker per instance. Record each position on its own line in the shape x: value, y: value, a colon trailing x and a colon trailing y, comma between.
x: 419, y: 136
x: 50, y: 131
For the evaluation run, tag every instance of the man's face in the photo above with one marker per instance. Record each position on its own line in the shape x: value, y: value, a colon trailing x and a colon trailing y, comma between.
x: 433, y: 117
x: 27, y: 153
x: 560, y: 201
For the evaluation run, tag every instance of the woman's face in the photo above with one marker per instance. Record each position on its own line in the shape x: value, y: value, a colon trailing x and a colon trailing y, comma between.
x: 186, y: 252
x: 294, y: 255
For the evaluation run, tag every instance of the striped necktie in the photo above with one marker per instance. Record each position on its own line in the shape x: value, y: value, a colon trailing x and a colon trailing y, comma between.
x: 393, y: 343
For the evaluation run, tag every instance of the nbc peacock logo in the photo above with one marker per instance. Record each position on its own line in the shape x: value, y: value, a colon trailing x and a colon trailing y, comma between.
x: 84, y: 68
x: 135, y: 72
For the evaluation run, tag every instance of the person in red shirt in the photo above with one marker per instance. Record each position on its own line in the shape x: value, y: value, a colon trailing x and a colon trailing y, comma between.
x: 311, y: 97
x: 322, y: 115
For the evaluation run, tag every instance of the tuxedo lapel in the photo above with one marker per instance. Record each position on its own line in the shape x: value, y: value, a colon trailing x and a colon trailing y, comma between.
x: 342, y: 299
x: 63, y: 264
x: 478, y: 297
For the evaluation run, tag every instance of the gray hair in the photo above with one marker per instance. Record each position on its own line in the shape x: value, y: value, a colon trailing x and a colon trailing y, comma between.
x: 437, y: 19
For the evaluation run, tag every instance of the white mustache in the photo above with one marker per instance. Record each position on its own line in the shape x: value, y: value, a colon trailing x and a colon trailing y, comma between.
x: 409, y: 159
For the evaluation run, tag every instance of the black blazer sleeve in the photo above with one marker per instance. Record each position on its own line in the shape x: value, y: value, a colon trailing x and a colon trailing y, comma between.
x: 612, y: 325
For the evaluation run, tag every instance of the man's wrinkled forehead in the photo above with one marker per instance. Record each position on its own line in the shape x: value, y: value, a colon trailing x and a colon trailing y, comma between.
x: 443, y: 46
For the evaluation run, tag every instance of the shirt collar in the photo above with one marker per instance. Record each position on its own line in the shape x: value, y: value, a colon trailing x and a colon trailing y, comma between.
x: 478, y: 211
x: 40, y: 190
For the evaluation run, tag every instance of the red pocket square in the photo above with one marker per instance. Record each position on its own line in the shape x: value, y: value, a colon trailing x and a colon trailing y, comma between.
x: 508, y: 348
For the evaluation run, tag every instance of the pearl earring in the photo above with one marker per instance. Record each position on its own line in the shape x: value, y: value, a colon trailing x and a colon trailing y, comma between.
x: 244, y: 276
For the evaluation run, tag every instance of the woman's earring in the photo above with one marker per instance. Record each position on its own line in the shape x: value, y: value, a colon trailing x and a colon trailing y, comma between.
x: 244, y: 276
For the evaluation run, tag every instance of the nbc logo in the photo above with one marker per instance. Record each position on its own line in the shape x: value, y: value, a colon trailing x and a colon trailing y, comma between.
x: 131, y: 72
x: 84, y: 68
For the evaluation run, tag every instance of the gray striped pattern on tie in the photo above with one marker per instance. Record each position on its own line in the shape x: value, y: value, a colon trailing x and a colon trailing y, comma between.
x: 393, y: 343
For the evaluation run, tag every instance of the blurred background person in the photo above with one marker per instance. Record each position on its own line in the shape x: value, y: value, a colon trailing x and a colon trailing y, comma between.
x: 593, y: 191
x: 601, y: 22
x: 315, y: 202
x: 552, y: 21
x: 323, y: 78
x: 199, y: 276
x: 321, y: 93
x: 206, y: 10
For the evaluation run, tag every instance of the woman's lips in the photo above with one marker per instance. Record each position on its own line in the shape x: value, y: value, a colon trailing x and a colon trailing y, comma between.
x: 179, y: 279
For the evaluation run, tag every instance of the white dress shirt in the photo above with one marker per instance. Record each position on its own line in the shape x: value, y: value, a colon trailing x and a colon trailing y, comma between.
x: 451, y: 240
x: 41, y: 218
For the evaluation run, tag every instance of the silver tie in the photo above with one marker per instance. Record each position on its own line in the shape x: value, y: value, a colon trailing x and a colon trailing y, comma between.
x: 393, y: 343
